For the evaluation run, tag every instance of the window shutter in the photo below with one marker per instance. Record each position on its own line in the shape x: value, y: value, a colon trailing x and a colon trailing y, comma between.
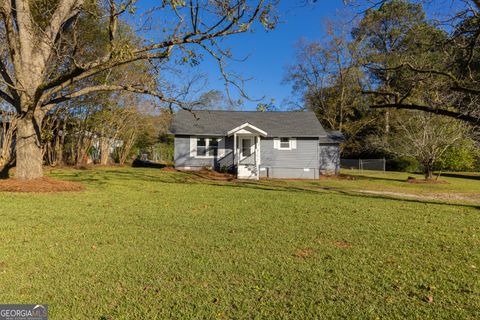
x: 276, y: 143
x: 193, y: 146
x: 293, y: 143
x: 221, y: 147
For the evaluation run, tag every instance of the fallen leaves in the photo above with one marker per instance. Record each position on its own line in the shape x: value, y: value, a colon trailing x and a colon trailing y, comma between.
x: 44, y: 184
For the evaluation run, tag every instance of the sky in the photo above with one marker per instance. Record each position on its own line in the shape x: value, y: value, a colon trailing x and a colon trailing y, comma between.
x: 268, y: 52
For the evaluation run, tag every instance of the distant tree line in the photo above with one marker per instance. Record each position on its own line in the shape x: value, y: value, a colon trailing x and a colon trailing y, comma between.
x: 397, y: 84
x: 102, y: 129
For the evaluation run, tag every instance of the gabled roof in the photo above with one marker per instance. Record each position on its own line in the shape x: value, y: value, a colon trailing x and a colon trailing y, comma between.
x: 275, y: 124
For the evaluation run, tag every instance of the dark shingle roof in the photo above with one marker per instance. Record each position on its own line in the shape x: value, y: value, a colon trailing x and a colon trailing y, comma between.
x: 333, y: 137
x: 276, y: 124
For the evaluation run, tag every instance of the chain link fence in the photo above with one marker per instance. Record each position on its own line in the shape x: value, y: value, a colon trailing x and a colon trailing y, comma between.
x: 363, y: 164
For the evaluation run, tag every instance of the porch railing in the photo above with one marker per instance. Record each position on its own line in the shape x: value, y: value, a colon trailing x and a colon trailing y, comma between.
x: 250, y: 160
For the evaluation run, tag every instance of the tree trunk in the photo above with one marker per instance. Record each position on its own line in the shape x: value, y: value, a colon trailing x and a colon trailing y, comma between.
x: 125, y: 150
x: 58, y: 152
x: 104, y: 150
x: 6, y: 139
x: 83, y: 145
x: 28, y: 149
x: 61, y: 143
x: 427, y: 170
x: 387, y: 121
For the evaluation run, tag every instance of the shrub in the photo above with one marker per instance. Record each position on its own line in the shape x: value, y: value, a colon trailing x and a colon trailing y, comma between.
x: 405, y: 164
x: 464, y: 157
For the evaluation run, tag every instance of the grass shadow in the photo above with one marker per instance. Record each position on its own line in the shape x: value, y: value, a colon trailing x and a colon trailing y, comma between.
x: 364, y: 177
x: 102, y: 177
x: 270, y: 185
x: 318, y: 190
x: 462, y: 176
x: 137, y: 163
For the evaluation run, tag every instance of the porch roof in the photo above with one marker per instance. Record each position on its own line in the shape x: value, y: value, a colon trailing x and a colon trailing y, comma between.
x: 247, y: 128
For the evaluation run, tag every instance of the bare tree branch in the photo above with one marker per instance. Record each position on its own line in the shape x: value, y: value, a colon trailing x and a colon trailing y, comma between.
x: 440, y: 111
x: 7, y: 98
x: 107, y: 87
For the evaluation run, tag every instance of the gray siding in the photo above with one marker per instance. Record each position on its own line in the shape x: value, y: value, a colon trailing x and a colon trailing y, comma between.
x: 329, y: 159
x: 288, y: 173
x: 299, y: 163
x: 227, y: 160
x: 183, y: 159
x: 307, y: 161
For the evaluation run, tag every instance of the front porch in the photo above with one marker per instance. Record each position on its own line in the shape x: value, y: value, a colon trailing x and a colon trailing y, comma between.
x: 247, y: 150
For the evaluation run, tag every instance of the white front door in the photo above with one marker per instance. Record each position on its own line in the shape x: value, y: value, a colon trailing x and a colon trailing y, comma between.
x: 247, y: 147
x: 247, y: 168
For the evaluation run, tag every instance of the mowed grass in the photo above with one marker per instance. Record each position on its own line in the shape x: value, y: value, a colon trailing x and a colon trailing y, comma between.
x: 150, y: 244
x: 467, y: 184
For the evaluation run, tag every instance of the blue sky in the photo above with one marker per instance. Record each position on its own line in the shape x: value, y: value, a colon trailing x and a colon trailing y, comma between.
x: 268, y: 52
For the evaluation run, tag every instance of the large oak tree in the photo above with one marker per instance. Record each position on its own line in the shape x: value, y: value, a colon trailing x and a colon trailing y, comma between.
x: 43, y: 61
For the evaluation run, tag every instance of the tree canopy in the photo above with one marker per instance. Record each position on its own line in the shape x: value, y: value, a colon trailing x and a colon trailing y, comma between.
x: 374, y: 74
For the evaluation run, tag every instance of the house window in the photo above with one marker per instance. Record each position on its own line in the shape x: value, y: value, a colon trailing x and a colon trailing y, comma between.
x: 201, y: 147
x: 207, y: 147
x: 213, y: 147
x: 285, y: 143
x: 247, y: 147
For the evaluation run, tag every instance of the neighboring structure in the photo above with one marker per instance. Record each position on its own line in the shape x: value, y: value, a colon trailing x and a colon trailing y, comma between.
x: 290, y: 145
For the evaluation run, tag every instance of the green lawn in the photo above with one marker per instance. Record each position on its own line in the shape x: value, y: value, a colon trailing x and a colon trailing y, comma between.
x: 144, y: 243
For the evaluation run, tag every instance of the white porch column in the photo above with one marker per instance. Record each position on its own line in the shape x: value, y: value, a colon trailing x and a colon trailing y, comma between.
x: 234, y: 149
x: 258, y: 156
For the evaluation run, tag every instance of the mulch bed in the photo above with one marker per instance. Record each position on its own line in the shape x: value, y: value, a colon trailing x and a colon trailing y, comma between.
x: 425, y: 181
x: 44, y: 184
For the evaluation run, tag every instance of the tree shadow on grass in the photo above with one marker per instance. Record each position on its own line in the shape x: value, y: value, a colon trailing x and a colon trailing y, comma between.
x: 137, y: 163
x: 103, y: 177
x: 364, y: 177
x: 282, y: 186
x: 322, y: 190
x: 470, y: 176
x: 279, y: 185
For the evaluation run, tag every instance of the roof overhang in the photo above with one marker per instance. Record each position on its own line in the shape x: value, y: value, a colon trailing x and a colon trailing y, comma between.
x: 247, y: 128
